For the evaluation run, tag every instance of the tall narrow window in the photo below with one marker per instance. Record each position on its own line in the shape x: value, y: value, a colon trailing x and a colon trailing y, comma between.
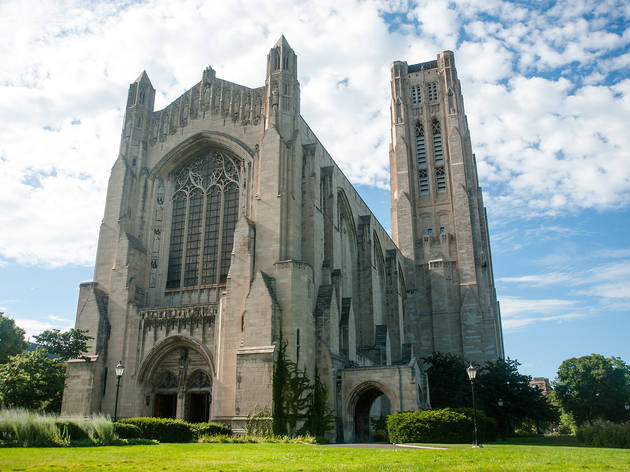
x: 211, y: 238
x: 416, y: 95
x: 432, y: 93
x: 177, y: 241
x: 438, y: 152
x: 421, y: 151
x: 230, y: 215
x: 440, y: 179
x: 193, y: 238
x: 423, y: 182
x: 205, y: 211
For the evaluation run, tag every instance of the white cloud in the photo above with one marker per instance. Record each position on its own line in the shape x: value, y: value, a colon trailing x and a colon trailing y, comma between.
x: 539, y: 280
x: 518, y: 312
x: 35, y: 327
x: 546, y: 138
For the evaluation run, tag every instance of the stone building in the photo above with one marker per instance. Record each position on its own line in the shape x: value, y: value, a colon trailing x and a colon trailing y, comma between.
x: 228, y: 227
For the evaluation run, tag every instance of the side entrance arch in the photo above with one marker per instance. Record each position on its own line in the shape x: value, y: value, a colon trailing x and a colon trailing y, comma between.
x: 370, y: 393
x: 370, y: 410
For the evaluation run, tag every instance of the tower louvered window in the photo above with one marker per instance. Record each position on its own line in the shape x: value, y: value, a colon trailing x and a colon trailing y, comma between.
x: 440, y: 179
x: 421, y: 151
x: 416, y: 95
x: 438, y: 152
x: 205, y: 211
x: 423, y: 182
x: 432, y: 92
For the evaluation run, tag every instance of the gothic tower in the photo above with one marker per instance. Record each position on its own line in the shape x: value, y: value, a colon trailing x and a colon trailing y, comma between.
x: 438, y: 218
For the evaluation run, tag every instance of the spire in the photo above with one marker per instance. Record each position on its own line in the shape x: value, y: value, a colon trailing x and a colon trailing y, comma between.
x: 143, y: 78
x: 282, y: 42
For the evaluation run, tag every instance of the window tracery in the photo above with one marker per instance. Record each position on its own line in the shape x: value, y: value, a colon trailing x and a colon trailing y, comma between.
x: 205, y: 211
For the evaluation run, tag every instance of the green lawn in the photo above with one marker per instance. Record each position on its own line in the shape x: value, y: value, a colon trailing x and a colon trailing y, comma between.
x: 281, y: 457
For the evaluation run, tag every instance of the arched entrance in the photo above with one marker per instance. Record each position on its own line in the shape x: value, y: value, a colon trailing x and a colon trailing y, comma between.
x: 370, y: 410
x: 177, y: 380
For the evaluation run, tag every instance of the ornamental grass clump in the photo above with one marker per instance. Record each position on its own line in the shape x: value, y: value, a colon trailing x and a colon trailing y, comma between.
x: 101, y: 430
x: 25, y: 428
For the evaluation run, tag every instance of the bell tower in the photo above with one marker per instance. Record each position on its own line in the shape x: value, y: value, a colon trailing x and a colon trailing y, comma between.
x: 438, y: 218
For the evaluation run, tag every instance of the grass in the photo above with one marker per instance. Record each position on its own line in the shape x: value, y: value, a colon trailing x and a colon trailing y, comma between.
x: 298, y: 457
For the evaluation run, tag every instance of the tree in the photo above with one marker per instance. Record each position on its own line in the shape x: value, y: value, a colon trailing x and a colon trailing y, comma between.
x: 71, y: 344
x: 592, y: 387
x: 448, y: 382
x: 296, y: 399
x: 11, y: 338
x: 290, y: 390
x: 450, y: 387
x: 319, y: 418
x: 522, y: 403
x: 32, y: 380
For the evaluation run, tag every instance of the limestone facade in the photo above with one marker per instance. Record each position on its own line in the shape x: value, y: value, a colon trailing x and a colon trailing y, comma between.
x: 228, y: 227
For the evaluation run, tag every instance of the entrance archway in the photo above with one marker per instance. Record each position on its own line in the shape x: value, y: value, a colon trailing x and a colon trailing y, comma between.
x: 177, y: 379
x: 370, y: 410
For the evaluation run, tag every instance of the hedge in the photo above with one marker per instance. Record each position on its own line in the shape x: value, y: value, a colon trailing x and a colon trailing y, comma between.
x: 162, y: 429
x: 604, y: 434
x: 209, y: 429
x: 439, y: 426
x: 127, y: 431
x: 74, y: 430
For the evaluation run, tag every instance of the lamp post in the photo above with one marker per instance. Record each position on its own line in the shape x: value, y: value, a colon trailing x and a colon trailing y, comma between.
x: 472, y: 374
x: 120, y: 369
x: 500, y: 403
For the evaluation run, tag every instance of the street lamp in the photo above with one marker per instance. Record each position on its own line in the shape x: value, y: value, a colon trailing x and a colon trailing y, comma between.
x: 500, y: 403
x: 472, y: 374
x: 120, y: 369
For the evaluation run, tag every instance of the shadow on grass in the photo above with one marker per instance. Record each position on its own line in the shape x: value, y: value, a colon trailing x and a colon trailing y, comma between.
x: 564, y: 440
x: 560, y: 441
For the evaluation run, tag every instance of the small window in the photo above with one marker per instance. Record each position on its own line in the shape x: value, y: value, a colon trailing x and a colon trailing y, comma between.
x: 432, y: 93
x: 442, y: 230
x: 416, y: 95
x: 429, y: 231
x: 440, y: 179
x: 421, y: 152
x: 285, y: 88
x: 423, y: 181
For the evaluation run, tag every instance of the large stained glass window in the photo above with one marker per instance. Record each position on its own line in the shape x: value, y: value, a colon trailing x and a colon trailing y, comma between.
x: 205, y: 211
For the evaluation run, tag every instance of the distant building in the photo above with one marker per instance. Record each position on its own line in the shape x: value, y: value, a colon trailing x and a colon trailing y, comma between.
x: 228, y: 227
x: 542, y: 383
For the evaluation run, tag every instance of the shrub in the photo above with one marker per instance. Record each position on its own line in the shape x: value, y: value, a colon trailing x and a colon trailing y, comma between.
x: 162, y: 429
x: 440, y: 426
x: 260, y: 423
x: 127, y: 431
x: 604, y: 434
x: 209, y: 429
x: 247, y: 439
x: 74, y: 430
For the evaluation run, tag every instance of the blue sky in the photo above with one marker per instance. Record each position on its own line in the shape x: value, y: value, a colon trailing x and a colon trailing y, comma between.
x: 547, y: 93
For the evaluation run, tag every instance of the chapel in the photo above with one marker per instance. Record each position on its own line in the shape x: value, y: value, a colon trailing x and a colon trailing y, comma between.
x: 229, y: 229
